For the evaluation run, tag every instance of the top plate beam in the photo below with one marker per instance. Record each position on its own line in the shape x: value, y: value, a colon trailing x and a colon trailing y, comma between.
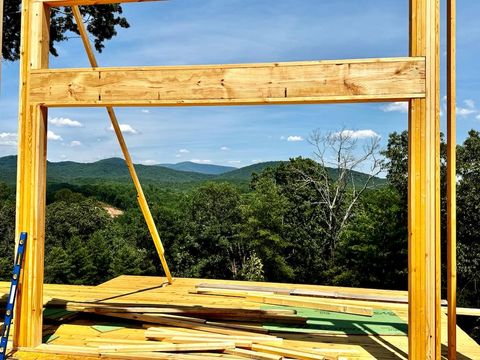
x: 313, y: 82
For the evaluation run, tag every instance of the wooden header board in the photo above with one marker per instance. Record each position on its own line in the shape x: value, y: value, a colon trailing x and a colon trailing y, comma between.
x: 246, y: 84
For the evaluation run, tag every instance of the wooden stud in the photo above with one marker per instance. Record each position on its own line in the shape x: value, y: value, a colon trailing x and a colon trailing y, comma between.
x: 171, y: 321
x: 207, y: 346
x: 390, y: 79
x: 464, y: 312
x: 423, y: 195
x: 302, y: 292
x: 199, y: 337
x: 250, y: 354
x: 31, y: 176
x: 288, y: 300
x: 435, y: 89
x: 72, y: 352
x: 289, y: 353
x: 451, y: 181
x: 123, y: 145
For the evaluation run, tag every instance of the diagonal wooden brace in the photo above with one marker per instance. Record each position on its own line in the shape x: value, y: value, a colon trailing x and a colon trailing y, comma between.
x: 131, y: 168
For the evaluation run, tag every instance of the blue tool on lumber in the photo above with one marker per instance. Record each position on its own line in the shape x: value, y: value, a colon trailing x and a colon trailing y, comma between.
x: 17, y: 267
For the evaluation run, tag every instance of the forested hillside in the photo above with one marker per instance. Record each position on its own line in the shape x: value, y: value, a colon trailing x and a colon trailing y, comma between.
x: 199, y: 168
x: 113, y: 169
x: 276, y: 227
x: 171, y: 175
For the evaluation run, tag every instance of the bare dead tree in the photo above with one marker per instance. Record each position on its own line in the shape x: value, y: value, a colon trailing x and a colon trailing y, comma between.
x: 337, y: 180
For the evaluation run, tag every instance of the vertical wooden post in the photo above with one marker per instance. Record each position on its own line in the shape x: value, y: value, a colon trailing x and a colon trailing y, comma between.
x: 438, y: 230
x: 451, y: 182
x: 31, y: 176
x: 423, y: 195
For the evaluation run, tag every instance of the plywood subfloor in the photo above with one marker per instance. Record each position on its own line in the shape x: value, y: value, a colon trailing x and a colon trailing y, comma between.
x: 148, y: 290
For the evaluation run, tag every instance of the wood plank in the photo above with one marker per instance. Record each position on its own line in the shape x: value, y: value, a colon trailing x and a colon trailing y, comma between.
x: 31, y: 177
x: 200, y: 336
x: 463, y: 311
x: 250, y: 354
x: 288, y: 300
x: 205, y: 313
x: 423, y: 243
x: 296, y: 354
x: 81, y: 352
x: 392, y: 79
x: 156, y: 347
x: 164, y: 320
x: 167, y: 356
x: 303, y: 292
x: 452, y: 182
x: 305, y: 302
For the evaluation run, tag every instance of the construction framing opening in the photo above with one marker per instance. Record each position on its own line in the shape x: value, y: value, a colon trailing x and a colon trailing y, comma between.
x: 414, y: 79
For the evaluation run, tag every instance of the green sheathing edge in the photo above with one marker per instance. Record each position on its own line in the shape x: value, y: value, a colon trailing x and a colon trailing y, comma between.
x: 383, y: 322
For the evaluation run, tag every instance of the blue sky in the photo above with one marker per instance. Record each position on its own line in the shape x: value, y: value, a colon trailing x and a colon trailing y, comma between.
x: 236, y: 31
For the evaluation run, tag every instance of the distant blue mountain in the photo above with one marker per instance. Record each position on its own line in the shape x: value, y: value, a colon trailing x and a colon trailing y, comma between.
x: 115, y: 170
x: 200, y: 168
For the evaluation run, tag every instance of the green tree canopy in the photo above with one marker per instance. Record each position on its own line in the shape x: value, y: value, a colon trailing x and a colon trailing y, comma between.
x: 211, y: 221
x: 101, y: 22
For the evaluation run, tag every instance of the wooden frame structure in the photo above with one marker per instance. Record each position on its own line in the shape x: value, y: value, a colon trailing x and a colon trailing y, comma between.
x: 414, y: 79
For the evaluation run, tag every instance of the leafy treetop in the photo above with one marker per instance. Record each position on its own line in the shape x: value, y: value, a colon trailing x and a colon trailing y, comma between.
x: 101, y: 22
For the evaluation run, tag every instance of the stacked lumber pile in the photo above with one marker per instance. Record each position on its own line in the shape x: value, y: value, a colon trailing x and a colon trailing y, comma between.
x: 133, y: 317
x: 198, y: 332
x: 180, y: 332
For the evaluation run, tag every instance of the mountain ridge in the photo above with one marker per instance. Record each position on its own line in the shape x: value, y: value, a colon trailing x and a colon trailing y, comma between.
x: 211, y: 169
x: 115, y: 170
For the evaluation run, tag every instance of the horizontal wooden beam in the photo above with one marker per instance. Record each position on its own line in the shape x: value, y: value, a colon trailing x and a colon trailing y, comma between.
x: 58, y: 3
x: 392, y: 79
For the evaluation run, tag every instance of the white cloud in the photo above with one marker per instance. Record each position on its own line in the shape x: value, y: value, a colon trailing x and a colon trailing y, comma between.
x: 199, y: 161
x: 234, y: 162
x: 184, y: 151
x: 256, y: 161
x: 149, y: 162
x: 358, y: 134
x: 126, y: 129
x: 225, y: 148
x: 52, y: 136
x: 468, y: 110
x: 294, y: 138
x: 464, y: 112
x: 145, y: 111
x: 178, y: 155
x: 282, y: 137
x: 75, y: 143
x: 8, y: 139
x: 469, y: 103
x: 64, y: 122
x: 399, y: 106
